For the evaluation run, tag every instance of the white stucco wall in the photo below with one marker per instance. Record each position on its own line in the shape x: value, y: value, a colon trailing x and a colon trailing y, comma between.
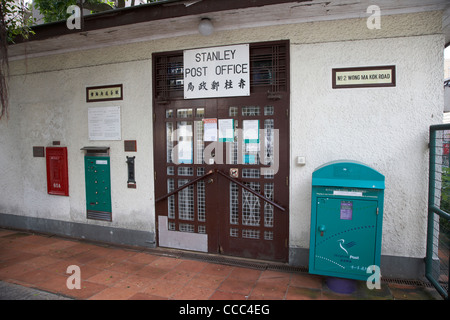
x: 52, y: 106
x: 387, y: 128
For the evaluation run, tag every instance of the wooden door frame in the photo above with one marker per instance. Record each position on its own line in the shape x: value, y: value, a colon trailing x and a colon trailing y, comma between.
x: 277, y: 92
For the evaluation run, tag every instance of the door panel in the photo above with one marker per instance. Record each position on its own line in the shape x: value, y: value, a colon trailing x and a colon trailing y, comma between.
x: 233, y: 220
x: 179, y: 146
x: 348, y: 237
x: 253, y: 227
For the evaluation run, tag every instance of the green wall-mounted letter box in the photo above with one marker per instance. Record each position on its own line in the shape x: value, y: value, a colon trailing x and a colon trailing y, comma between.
x: 346, y: 219
x: 98, y: 183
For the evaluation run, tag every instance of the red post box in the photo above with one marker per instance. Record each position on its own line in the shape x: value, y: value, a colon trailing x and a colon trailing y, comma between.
x: 57, y: 171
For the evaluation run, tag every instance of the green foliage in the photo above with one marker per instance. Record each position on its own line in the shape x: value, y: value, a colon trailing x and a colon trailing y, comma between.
x: 445, y: 199
x: 56, y: 10
x: 16, y: 19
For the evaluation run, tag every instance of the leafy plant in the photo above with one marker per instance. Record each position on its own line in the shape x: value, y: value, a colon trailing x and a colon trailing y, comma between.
x: 15, y: 20
x: 445, y: 198
x: 56, y: 10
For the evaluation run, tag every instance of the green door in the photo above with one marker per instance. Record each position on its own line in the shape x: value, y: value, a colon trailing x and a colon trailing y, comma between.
x: 98, y: 188
x: 346, y: 235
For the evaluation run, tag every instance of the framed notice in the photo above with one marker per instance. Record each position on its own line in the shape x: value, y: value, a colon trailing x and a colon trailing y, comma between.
x: 363, y: 77
x: 104, y: 123
x: 104, y: 93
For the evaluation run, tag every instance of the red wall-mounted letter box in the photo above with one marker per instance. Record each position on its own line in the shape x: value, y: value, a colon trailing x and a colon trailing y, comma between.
x: 57, y: 171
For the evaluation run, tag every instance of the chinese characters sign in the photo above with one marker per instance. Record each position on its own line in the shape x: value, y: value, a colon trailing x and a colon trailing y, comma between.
x: 217, y: 72
x: 104, y: 93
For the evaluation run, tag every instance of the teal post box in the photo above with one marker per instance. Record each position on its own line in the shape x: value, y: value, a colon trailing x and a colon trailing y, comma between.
x: 346, y: 219
x: 98, y: 183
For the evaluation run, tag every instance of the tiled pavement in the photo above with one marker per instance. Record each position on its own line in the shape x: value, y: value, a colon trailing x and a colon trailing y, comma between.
x: 109, y: 272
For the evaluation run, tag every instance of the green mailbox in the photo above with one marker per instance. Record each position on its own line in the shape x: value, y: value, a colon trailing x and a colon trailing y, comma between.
x: 346, y: 219
x: 98, y: 183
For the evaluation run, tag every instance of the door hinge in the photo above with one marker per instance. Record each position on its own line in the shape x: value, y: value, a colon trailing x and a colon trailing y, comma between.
x: 378, y: 210
x: 285, y: 242
x: 155, y: 176
x: 287, y: 181
x: 287, y: 113
x: 154, y: 117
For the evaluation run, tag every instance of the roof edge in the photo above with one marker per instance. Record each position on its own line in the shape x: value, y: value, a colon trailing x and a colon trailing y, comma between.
x: 143, y: 13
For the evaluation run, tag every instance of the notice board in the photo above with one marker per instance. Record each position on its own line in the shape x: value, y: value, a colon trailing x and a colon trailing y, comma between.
x: 104, y: 123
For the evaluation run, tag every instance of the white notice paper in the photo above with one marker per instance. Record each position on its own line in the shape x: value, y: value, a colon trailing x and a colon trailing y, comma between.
x: 226, y: 130
x: 104, y: 123
x: 184, y: 152
x: 251, y: 131
x: 210, y: 129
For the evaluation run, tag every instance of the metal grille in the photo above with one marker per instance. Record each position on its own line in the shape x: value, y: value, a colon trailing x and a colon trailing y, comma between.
x: 268, y: 71
x: 269, y: 67
x: 250, y: 234
x: 234, y: 203
x: 438, y: 237
x: 185, y: 171
x: 169, y: 76
x: 171, y: 199
x: 185, y: 201
x: 250, y: 206
x: 268, y: 208
x: 201, y: 213
x: 169, y: 145
x: 250, y: 173
x: 269, y: 141
x: 199, y: 141
x: 250, y: 111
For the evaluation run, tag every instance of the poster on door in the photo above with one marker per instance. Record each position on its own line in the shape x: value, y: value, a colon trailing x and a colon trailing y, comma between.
x: 210, y: 129
x: 217, y: 72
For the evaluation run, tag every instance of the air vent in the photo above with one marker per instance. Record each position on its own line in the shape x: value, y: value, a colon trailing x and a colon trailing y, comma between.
x: 99, y: 215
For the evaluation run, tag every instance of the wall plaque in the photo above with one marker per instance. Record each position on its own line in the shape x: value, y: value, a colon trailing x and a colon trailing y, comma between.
x: 38, y: 152
x: 104, y: 93
x: 363, y: 77
x: 130, y: 145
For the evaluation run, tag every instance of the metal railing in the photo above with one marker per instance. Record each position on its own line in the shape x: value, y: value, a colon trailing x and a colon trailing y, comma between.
x: 438, y: 234
x: 240, y: 184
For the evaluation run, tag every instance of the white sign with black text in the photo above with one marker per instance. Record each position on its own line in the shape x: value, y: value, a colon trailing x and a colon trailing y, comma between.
x: 217, y: 72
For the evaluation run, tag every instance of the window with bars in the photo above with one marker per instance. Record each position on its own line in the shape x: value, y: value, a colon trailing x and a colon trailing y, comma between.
x: 268, y: 71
